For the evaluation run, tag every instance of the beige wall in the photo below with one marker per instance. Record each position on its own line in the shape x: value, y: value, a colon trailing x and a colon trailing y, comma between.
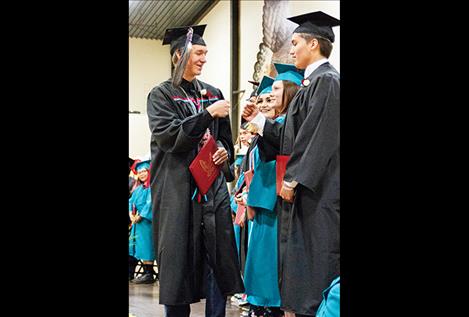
x: 216, y: 71
x: 149, y: 65
x: 250, y: 38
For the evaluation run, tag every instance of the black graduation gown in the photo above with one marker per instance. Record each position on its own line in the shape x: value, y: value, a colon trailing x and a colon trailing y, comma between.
x: 309, y: 251
x: 186, y: 233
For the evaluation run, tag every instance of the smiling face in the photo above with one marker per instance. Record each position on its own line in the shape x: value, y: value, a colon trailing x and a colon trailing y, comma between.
x: 265, y: 105
x: 277, y: 94
x: 196, y: 61
x: 142, y: 175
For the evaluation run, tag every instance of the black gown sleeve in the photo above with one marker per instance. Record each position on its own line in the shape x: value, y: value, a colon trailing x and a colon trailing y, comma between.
x: 169, y: 128
x: 224, y: 134
x: 225, y: 139
x: 318, y: 137
x: 269, y: 143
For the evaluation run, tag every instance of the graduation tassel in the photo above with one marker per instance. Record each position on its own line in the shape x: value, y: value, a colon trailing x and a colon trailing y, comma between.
x: 181, y: 64
x: 195, y: 193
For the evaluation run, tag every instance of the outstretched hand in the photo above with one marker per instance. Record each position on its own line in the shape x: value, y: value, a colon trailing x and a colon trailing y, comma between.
x: 250, y: 111
x: 219, y: 109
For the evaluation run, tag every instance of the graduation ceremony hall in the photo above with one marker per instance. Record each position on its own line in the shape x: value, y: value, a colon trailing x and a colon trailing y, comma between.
x: 234, y: 158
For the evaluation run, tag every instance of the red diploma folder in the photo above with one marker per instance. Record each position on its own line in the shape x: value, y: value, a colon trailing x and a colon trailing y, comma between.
x: 202, y: 167
x: 280, y: 169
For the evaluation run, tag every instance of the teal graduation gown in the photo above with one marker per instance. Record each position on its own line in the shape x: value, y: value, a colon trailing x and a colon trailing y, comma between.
x: 141, y: 235
x: 261, y: 271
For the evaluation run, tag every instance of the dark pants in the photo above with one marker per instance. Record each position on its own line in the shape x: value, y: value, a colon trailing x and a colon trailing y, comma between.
x: 214, y: 306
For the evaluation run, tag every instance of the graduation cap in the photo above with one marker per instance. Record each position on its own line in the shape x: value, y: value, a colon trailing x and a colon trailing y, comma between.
x: 131, y: 162
x: 142, y: 165
x: 316, y: 23
x: 255, y: 85
x: 289, y: 72
x: 177, y: 36
x: 265, y: 86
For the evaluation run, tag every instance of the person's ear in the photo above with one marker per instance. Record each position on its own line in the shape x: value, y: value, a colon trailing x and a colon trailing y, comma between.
x: 313, y: 43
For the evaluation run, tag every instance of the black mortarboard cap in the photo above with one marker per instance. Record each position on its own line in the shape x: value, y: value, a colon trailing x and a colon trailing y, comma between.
x: 316, y: 23
x: 255, y: 85
x: 265, y: 86
x: 177, y: 36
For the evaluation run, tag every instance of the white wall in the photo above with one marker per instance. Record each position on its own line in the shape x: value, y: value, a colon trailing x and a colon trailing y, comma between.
x: 217, y: 71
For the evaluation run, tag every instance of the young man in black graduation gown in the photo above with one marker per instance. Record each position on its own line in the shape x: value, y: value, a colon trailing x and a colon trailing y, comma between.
x: 194, y: 237
x: 309, y: 251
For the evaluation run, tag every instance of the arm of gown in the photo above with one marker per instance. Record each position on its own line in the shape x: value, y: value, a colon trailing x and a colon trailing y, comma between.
x: 318, y: 137
x: 225, y: 139
x: 171, y: 132
x: 269, y: 143
x: 132, y: 200
x: 146, y: 210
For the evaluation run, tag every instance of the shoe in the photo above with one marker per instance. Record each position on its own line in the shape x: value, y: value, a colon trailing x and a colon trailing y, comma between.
x: 243, y: 300
x: 245, y: 308
x: 145, y: 279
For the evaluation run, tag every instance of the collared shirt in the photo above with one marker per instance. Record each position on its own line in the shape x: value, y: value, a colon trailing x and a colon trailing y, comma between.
x: 312, y: 67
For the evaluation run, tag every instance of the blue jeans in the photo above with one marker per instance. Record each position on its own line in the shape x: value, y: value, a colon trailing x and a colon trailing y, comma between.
x: 214, y: 306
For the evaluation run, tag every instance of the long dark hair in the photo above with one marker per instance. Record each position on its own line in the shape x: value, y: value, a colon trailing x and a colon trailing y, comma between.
x: 289, y: 91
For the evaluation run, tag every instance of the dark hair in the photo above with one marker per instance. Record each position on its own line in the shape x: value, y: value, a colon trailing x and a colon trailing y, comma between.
x: 289, y: 91
x: 325, y: 46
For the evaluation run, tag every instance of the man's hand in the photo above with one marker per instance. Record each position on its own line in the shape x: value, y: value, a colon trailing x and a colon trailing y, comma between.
x: 220, y: 156
x: 287, y: 193
x: 250, y: 111
x: 219, y: 109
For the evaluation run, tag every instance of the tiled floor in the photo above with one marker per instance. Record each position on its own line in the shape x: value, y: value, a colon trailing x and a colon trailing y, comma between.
x: 143, y: 302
